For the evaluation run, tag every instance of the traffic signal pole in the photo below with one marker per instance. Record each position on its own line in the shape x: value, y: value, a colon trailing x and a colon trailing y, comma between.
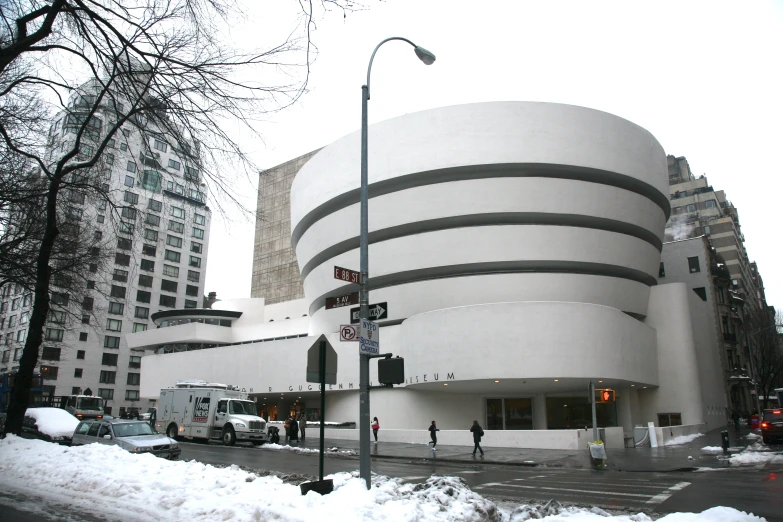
x: 592, y: 403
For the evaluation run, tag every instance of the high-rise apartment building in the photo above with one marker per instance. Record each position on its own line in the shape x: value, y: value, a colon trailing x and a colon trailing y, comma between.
x: 153, y: 223
x: 275, y: 270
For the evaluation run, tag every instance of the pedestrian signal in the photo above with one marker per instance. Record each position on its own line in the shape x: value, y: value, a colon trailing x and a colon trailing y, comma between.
x: 604, y: 395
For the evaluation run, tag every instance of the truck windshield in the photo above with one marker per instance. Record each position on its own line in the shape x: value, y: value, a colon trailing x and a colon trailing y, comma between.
x: 132, y: 429
x: 90, y: 403
x: 242, y: 408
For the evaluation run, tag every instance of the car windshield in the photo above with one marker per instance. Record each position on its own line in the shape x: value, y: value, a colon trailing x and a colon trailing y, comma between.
x: 242, y: 408
x: 90, y: 403
x: 132, y: 429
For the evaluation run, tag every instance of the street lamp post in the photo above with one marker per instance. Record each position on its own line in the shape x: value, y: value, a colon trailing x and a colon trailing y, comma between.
x: 364, y: 298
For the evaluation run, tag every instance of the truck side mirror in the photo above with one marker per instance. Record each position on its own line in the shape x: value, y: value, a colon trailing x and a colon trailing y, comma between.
x: 107, y: 437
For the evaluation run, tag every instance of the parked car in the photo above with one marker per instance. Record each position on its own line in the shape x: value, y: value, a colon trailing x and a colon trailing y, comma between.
x: 146, y: 416
x: 131, y: 435
x: 772, y: 425
x: 50, y: 424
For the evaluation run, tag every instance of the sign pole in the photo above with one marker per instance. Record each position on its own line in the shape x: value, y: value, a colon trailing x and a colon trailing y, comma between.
x: 364, y: 301
x: 592, y: 402
x: 322, y: 356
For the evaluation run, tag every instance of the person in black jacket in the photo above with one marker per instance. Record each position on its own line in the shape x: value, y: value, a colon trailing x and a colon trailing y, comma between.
x: 477, y: 434
x: 433, y: 436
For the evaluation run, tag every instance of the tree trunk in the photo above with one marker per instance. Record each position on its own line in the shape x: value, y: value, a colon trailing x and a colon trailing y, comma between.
x: 20, y: 395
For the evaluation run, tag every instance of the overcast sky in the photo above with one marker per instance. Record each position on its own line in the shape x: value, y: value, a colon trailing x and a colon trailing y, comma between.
x: 705, y: 78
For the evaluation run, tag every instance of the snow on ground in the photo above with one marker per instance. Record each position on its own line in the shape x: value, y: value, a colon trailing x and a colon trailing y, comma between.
x: 750, y: 456
x: 712, y: 449
x: 53, y: 421
x: 752, y: 436
x: 683, y: 439
x: 297, y: 449
x: 118, y: 485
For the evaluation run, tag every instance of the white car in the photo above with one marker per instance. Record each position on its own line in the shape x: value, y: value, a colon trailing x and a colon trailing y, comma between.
x: 50, y: 424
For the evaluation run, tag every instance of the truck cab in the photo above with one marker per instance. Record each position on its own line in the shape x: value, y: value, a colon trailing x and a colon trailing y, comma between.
x: 84, y: 406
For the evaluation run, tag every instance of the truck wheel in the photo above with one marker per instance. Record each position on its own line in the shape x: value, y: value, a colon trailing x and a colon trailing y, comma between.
x: 171, y: 432
x: 229, y: 437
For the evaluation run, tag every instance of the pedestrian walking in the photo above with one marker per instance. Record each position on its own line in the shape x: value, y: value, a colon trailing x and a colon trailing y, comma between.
x: 433, y: 436
x: 302, y: 425
x: 375, y: 427
x: 294, y: 430
x: 735, y: 416
x: 478, y: 432
x: 287, y: 427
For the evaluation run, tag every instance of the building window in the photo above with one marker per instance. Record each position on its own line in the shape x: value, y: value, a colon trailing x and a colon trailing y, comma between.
x: 134, y: 379
x: 195, y: 247
x: 145, y: 280
x: 128, y: 213
x: 170, y: 271
x: 134, y: 362
x: 149, y: 250
x: 155, y: 205
x: 55, y: 316
x: 114, y: 325
x: 160, y: 145
x: 85, y: 319
x: 168, y: 301
x: 168, y: 286
x: 116, y: 308
x: 178, y: 213
x: 690, y: 208
x: 100, y: 218
x: 193, y: 276
x: 80, y: 354
x: 21, y: 335
x: 198, y: 233
x: 661, y: 270
x: 150, y: 235
x: 121, y: 259
x: 93, y: 267
x: 59, y: 299
x: 82, y: 336
x: 131, y: 395
x: 173, y: 241
x: 191, y: 290
x: 147, y: 265
x: 701, y: 292
x: 693, y: 264
x: 151, y: 180
x: 142, y: 313
x: 199, y: 219
x: 130, y: 181
x: 118, y: 291
x: 142, y: 296
x: 189, y: 303
x: 77, y: 372
x: 109, y: 359
x: 106, y: 393
x: 171, y: 255
x: 118, y: 275
x: 124, y: 244
x: 131, y: 166
x: 139, y: 327
x: 52, y: 334
x: 152, y: 220
x: 107, y: 377
x: 174, y: 164
x: 49, y: 373
x: 711, y: 203
x: 126, y: 228
x: 50, y: 354
x: 87, y: 303
x: 195, y: 262
x: 176, y: 226
x: 669, y: 419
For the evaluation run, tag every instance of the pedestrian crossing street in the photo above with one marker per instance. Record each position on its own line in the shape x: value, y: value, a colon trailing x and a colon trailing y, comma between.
x: 584, y: 488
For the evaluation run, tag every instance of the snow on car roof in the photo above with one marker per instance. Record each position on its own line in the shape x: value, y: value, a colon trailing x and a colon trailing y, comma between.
x: 53, y: 421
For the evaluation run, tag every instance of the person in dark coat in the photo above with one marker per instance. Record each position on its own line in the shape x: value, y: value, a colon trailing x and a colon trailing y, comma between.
x: 433, y: 436
x: 294, y: 429
x: 478, y: 432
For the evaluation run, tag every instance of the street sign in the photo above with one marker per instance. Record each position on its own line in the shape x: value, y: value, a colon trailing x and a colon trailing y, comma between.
x: 314, y: 362
x: 369, y: 338
x: 342, y: 300
x: 344, y: 274
x: 349, y: 332
x: 376, y: 311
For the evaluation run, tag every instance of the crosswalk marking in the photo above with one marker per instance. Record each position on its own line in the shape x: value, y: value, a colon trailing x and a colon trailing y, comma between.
x: 461, y: 472
x: 660, y: 497
x: 607, y: 493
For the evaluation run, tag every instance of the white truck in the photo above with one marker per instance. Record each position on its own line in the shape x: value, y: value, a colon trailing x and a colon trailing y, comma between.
x: 83, y: 406
x: 201, y: 410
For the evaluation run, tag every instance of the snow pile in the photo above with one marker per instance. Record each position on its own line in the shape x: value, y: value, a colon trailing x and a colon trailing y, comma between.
x: 683, y: 439
x: 297, y: 449
x: 752, y: 436
x: 53, y: 421
x: 712, y: 449
x: 749, y: 456
x: 106, y: 480
x: 554, y: 512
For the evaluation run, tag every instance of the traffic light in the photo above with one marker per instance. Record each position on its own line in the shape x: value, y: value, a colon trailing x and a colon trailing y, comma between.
x: 603, y: 395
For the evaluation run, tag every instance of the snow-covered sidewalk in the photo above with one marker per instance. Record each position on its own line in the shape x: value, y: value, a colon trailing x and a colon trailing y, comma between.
x: 117, y: 485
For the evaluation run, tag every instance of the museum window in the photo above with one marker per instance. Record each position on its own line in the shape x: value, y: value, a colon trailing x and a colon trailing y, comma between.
x: 693, y: 264
x: 661, y: 270
x: 575, y: 412
x: 509, y: 414
x: 669, y: 419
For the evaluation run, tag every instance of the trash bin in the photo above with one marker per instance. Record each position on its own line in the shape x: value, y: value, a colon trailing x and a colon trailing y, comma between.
x: 754, y: 422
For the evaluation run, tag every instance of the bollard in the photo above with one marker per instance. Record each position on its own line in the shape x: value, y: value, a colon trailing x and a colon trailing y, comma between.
x: 724, y: 441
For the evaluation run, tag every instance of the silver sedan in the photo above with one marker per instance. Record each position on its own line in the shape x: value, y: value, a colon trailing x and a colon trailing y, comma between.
x: 131, y: 435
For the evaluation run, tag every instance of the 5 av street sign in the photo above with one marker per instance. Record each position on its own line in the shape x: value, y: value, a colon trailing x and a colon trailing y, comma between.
x: 344, y: 274
x: 342, y: 300
x: 377, y: 311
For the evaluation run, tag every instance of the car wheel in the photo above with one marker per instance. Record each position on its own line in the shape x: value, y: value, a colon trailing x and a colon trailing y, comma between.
x: 171, y: 432
x: 229, y: 437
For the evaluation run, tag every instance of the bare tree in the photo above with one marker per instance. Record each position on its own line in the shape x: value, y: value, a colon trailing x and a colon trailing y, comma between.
x: 765, y: 350
x: 97, y: 70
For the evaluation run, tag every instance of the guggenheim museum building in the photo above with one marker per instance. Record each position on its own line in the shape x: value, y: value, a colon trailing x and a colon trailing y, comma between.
x: 514, y: 248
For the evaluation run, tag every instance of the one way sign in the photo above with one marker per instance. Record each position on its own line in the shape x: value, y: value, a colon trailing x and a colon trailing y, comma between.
x: 377, y: 311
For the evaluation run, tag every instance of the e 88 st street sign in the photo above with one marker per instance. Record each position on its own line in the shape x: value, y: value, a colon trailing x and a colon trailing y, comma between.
x: 344, y: 274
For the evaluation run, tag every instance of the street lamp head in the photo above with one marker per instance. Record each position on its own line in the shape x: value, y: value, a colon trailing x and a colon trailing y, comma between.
x: 424, y: 55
